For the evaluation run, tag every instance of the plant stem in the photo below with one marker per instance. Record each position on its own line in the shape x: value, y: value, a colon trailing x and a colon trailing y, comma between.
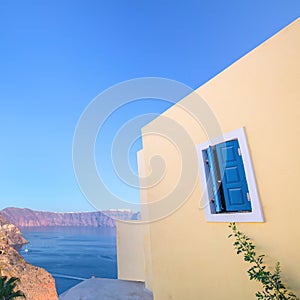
x: 246, y: 247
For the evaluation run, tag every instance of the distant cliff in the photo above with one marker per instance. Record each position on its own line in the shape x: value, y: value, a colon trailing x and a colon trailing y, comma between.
x: 24, y: 217
x: 36, y: 283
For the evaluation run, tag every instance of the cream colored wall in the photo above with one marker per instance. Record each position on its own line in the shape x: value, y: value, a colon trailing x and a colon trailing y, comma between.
x: 193, y: 259
x: 133, y: 243
x: 130, y: 251
x: 145, y: 215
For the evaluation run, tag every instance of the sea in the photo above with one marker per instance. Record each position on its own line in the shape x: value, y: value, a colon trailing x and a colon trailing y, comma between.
x: 72, y: 254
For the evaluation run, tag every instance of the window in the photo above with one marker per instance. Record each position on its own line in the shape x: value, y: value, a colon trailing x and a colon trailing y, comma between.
x: 228, y: 183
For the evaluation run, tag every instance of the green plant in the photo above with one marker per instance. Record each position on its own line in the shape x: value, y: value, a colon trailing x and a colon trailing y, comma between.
x: 273, y: 288
x: 7, y: 287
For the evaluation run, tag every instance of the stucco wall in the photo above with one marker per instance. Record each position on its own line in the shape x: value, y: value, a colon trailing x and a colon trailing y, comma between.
x: 193, y: 259
x: 133, y: 242
x: 130, y: 251
x: 146, y: 231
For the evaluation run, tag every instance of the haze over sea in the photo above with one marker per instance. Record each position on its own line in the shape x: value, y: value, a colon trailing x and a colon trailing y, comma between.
x: 72, y: 254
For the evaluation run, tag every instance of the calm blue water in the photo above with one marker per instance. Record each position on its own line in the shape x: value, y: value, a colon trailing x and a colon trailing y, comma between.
x: 71, y: 254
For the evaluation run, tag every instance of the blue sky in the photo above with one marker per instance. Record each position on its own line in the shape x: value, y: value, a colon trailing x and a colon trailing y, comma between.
x: 56, y: 56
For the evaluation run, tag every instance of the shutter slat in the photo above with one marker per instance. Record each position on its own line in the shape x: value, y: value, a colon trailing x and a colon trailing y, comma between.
x: 214, y: 180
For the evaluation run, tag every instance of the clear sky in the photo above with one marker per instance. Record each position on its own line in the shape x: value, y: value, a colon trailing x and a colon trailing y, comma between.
x: 56, y: 56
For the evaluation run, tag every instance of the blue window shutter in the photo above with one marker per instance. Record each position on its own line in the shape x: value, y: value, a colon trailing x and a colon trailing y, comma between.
x: 234, y: 183
x: 214, y: 179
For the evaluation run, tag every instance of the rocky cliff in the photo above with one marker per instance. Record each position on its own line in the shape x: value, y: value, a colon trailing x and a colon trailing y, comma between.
x: 36, y: 283
x: 23, y: 217
x: 10, y: 234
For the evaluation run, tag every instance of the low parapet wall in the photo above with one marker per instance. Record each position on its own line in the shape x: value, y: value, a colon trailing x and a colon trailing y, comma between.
x: 130, y: 250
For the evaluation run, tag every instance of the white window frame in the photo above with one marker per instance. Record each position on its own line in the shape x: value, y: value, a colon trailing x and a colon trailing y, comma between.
x: 256, y: 215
